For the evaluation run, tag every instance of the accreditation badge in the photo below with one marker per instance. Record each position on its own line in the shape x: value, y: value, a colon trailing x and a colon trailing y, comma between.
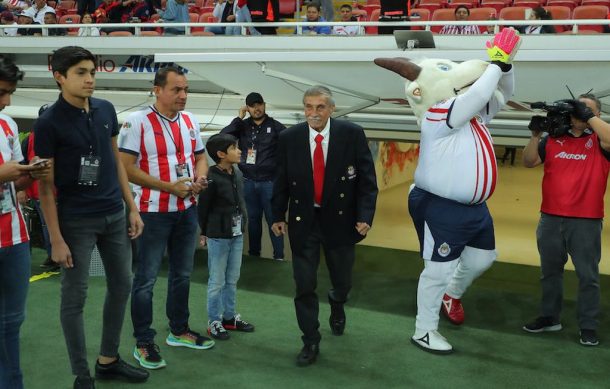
x: 89, y: 170
x: 251, y: 157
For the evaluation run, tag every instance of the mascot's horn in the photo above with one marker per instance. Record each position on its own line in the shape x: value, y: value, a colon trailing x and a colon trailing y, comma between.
x: 402, y: 66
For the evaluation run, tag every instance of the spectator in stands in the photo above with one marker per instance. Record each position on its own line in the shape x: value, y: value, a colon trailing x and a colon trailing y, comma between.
x: 539, y: 13
x: 85, y: 6
x: 462, y: 13
x: 39, y: 10
x: 25, y: 18
x: 176, y: 11
x: 13, y: 5
x: 224, y: 12
x: 88, y: 31
x: 346, y: 16
x: 8, y: 19
x: 263, y: 11
x: 51, y: 18
x: 313, y: 15
x: 393, y: 11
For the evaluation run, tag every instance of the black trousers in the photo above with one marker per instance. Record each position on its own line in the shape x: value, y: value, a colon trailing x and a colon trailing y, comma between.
x: 339, y: 261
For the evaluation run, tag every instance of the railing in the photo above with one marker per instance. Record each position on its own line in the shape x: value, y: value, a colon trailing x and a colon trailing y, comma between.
x: 137, y: 27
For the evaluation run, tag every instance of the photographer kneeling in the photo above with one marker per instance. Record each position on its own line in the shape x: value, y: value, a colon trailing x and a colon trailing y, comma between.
x: 576, y: 157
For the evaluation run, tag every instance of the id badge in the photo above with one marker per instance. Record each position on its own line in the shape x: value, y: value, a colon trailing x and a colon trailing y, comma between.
x: 6, y: 199
x: 251, y: 158
x: 89, y: 170
x: 183, y: 170
x: 236, y: 225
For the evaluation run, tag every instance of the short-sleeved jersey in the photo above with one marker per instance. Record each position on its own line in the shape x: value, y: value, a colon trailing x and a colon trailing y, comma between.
x: 456, y: 163
x: 161, y: 144
x: 12, y: 224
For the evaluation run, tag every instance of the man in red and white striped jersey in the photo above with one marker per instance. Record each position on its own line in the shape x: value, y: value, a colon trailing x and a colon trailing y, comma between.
x: 576, y: 167
x: 165, y: 160
x: 14, y: 239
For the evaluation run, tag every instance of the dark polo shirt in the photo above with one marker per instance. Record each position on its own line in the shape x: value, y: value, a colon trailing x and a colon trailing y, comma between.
x: 65, y: 133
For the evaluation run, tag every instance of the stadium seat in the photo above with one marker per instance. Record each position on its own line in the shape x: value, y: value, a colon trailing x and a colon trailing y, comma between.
x: 149, y: 33
x: 442, y: 14
x: 431, y: 5
x: 559, y: 12
x: 369, y: 8
x: 288, y: 7
x: 483, y: 13
x: 193, y: 17
x: 120, y: 33
x: 596, y: 2
x: 66, y: 4
x: 496, y: 4
x: 590, y: 12
x: 424, y: 16
x: 69, y: 19
x: 512, y: 13
x: 202, y: 33
x: 467, y: 3
x: 527, y: 3
x: 571, y: 4
x: 200, y: 3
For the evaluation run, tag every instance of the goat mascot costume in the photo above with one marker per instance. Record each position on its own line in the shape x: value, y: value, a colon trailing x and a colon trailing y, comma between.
x: 455, y: 175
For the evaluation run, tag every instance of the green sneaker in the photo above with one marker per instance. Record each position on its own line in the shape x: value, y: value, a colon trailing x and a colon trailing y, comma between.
x: 190, y: 339
x: 147, y: 353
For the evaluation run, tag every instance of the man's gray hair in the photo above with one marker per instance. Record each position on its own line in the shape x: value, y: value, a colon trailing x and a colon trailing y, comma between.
x: 319, y: 90
x: 593, y: 98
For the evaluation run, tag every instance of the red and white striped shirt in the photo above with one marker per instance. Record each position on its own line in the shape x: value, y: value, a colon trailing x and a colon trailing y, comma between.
x: 161, y: 144
x: 456, y: 163
x: 12, y: 224
x: 460, y: 30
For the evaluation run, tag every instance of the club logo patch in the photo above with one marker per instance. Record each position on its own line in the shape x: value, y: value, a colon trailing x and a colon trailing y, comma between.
x: 192, y: 134
x: 127, y: 125
x: 444, y: 249
x: 351, y: 172
x: 589, y: 143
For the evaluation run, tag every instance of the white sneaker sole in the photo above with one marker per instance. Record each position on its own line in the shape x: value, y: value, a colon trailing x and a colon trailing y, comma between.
x: 427, y: 348
x: 553, y: 328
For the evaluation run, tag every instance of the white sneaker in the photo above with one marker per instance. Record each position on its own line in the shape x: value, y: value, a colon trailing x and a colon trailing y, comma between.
x: 279, y: 259
x: 431, y: 341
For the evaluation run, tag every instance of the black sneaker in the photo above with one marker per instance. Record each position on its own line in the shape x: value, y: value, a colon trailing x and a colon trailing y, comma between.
x: 84, y: 382
x: 217, y: 331
x: 49, y: 265
x: 542, y: 324
x: 120, y: 370
x: 237, y: 324
x: 588, y: 338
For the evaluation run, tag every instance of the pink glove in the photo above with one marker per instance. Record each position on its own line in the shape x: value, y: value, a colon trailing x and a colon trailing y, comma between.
x: 506, y: 40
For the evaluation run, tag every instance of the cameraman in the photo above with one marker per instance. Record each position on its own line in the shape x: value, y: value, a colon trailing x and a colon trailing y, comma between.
x: 576, y: 166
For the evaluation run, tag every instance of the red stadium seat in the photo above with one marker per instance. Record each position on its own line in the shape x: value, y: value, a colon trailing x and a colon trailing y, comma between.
x: 596, y: 2
x: 193, y: 17
x: 559, y: 12
x: 424, y: 16
x: 591, y: 12
x: 149, y: 33
x: 442, y: 14
x: 431, y: 5
x: 527, y: 3
x: 512, y: 13
x: 120, y: 33
x: 288, y: 7
x: 495, y: 4
x: 571, y: 4
x: 467, y: 3
x: 66, y: 4
x: 483, y: 13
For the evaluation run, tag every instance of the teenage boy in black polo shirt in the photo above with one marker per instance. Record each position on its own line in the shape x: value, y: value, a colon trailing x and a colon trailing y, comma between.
x: 79, y: 134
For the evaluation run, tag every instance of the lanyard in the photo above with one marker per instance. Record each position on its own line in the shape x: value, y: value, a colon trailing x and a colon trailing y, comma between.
x: 179, y: 146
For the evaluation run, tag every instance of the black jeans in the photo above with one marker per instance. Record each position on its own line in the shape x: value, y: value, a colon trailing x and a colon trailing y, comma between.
x: 339, y: 261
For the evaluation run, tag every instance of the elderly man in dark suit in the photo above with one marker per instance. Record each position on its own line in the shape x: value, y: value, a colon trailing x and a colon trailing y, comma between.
x: 326, y: 179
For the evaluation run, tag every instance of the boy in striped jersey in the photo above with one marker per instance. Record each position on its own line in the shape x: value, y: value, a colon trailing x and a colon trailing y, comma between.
x: 14, y: 239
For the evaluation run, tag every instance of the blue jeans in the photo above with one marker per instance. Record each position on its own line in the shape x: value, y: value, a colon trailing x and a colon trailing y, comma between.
x: 177, y: 231
x: 258, y: 201
x: 14, y: 281
x: 224, y: 263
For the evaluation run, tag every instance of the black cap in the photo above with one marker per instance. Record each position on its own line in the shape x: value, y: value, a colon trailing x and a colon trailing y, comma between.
x: 254, y: 98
